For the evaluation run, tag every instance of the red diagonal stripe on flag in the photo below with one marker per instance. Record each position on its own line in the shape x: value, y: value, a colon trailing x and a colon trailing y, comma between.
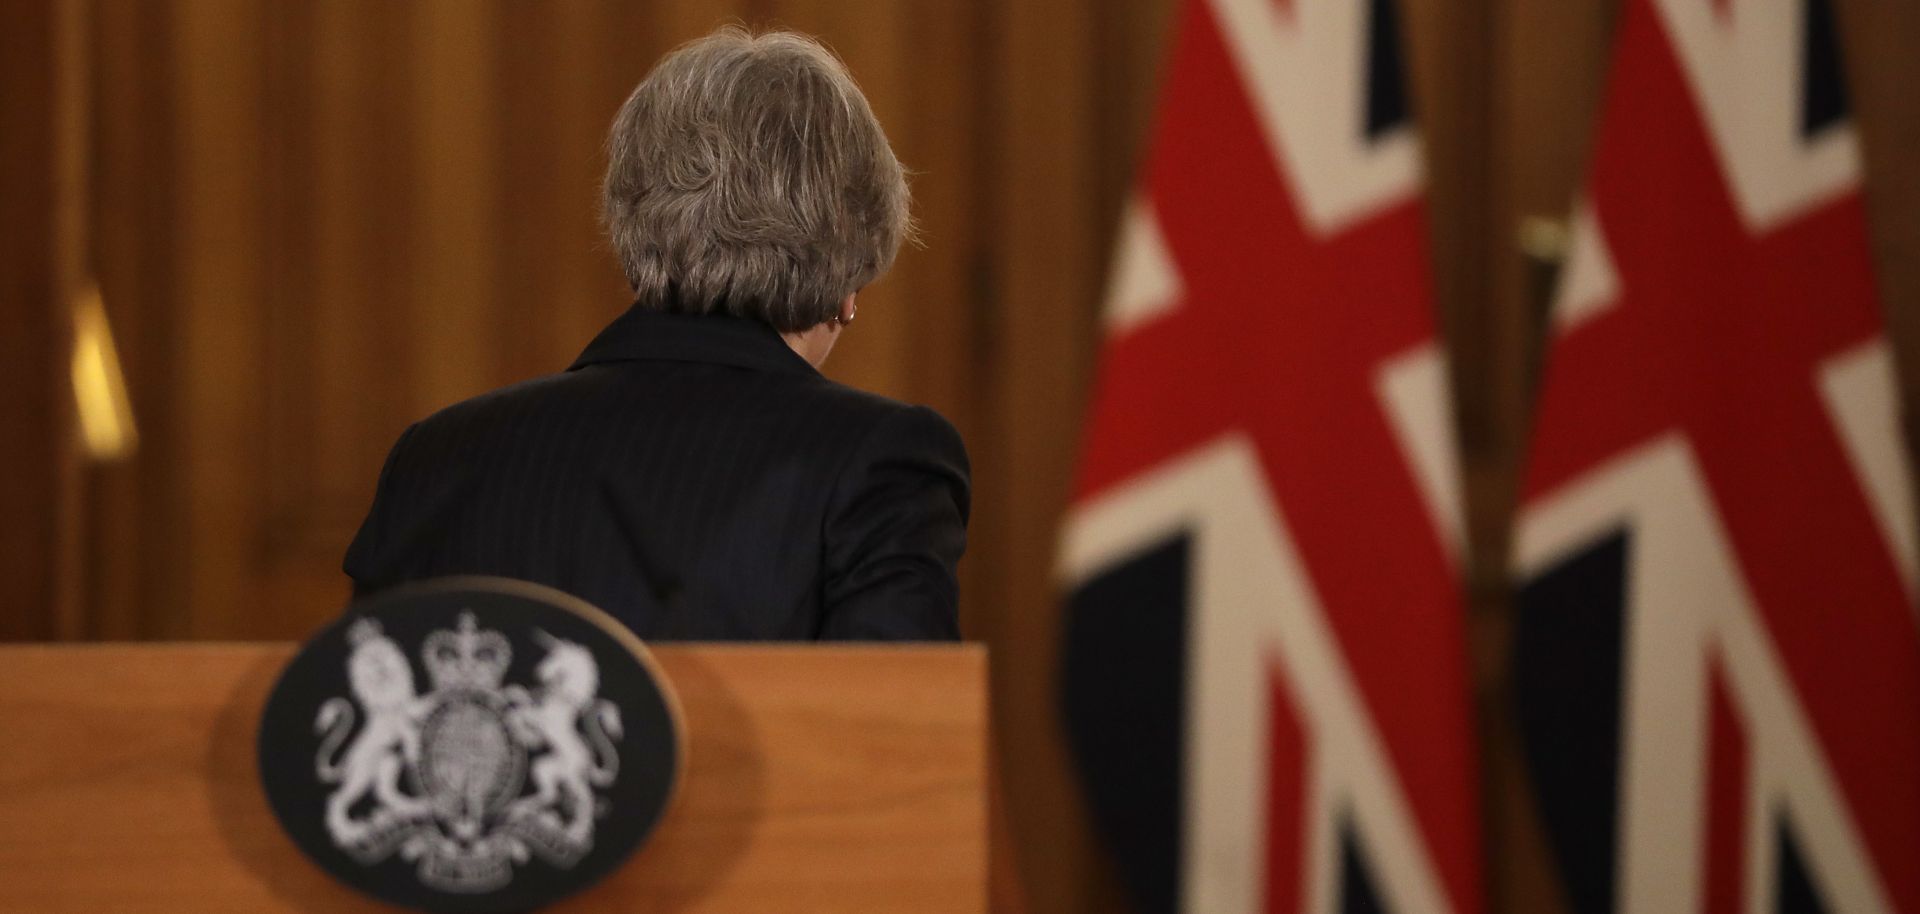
x: 1279, y: 337
x: 1720, y: 334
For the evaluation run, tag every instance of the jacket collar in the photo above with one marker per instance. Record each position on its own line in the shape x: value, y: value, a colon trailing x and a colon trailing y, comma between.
x: 642, y: 334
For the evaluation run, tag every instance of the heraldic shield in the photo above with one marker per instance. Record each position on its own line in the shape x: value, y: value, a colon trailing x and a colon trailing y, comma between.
x: 470, y: 745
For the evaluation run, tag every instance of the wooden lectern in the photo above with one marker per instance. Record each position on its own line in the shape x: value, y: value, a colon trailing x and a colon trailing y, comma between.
x: 820, y: 779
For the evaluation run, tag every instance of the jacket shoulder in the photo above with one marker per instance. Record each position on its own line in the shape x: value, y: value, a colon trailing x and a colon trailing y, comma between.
x: 831, y: 411
x: 502, y: 407
x: 881, y: 416
x: 828, y: 394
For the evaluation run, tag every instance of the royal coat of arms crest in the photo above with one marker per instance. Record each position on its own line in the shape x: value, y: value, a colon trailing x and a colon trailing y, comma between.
x: 477, y: 775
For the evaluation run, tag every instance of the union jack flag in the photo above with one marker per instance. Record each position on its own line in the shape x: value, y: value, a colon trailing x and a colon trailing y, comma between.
x: 1717, y: 669
x: 1264, y: 673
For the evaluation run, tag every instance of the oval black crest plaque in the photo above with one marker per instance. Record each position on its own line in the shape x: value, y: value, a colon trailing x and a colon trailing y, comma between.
x: 470, y: 745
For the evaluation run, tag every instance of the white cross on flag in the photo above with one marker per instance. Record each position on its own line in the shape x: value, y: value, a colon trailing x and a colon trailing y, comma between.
x: 1717, y: 668
x: 1264, y: 671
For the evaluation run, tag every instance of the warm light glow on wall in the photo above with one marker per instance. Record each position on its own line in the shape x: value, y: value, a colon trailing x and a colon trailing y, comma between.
x: 99, y: 388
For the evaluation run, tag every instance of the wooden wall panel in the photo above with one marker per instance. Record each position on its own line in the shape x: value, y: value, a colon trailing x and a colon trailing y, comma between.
x: 584, y: 290
x: 1047, y: 270
x: 1549, y: 59
x: 34, y: 460
x: 219, y: 297
x: 450, y: 315
x: 1883, y: 41
x: 134, y: 557
x: 121, y: 121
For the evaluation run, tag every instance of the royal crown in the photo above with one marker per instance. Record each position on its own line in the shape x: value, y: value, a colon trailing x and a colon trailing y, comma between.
x: 363, y: 631
x: 466, y: 658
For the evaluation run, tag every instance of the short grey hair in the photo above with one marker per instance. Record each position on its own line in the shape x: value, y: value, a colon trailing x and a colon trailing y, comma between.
x: 747, y: 175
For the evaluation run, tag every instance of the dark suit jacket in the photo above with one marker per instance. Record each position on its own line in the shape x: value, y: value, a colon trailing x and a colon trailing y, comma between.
x: 694, y: 477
